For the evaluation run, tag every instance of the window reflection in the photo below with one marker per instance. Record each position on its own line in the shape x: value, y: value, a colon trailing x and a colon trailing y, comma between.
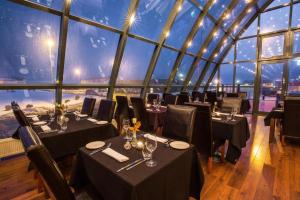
x: 296, y: 15
x: 245, y: 73
x: 272, y: 46
x: 251, y: 30
x: 56, y: 4
x: 294, y: 77
x: 197, y: 72
x: 246, y: 49
x: 183, y: 70
x: 296, y: 48
x: 275, y: 20
x: 226, y: 74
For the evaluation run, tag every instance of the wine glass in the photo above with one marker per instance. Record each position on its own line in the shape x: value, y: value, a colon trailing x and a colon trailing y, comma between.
x: 59, y: 121
x: 151, y: 145
x: 51, y: 114
x: 125, y: 127
x: 77, y: 111
x: 155, y: 104
x: 64, y: 124
x: 233, y: 113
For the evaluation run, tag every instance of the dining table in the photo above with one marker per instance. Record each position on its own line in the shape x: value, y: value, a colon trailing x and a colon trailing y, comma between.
x: 156, y: 116
x: 271, y: 119
x: 235, y: 130
x: 77, y: 134
x: 177, y: 176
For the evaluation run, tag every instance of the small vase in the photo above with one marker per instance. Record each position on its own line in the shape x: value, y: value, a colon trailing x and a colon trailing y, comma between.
x: 134, y: 140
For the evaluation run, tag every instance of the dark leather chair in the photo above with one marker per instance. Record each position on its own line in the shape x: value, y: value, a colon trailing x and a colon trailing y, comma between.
x: 182, y: 98
x: 291, y: 118
x: 179, y: 123
x: 170, y: 99
x: 151, y: 97
x: 106, y: 110
x: 211, y: 97
x: 20, y: 117
x: 232, y: 95
x: 48, y: 170
x: 202, y: 134
x: 199, y: 95
x: 88, y: 106
x: 140, y: 112
x: 122, y: 110
x: 185, y: 93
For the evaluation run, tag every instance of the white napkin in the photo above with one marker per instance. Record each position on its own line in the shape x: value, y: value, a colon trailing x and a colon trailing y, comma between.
x: 215, y: 118
x: 116, y: 155
x: 148, y: 109
x: 101, y: 122
x: 82, y: 115
x: 39, y: 123
x: 35, y: 119
x: 158, y: 139
x: 92, y: 120
x: 279, y: 110
x: 238, y: 115
x: 45, y: 128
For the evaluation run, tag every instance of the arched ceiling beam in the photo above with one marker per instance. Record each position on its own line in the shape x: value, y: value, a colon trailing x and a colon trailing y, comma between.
x: 120, y: 49
x: 158, y: 47
x: 238, y: 35
x: 185, y: 45
x: 218, y: 25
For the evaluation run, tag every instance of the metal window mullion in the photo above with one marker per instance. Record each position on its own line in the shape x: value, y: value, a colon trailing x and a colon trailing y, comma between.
x: 120, y: 49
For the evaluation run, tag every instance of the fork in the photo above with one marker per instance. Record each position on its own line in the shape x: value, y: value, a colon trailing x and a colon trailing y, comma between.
x: 100, y: 149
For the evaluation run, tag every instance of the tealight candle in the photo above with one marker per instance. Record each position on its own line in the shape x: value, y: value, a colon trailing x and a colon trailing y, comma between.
x: 140, y: 145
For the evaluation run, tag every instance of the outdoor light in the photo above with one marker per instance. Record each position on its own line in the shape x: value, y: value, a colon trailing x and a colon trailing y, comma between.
x: 77, y: 71
x: 50, y: 43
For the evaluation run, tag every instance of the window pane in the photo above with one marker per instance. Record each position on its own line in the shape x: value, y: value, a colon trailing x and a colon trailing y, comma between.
x: 182, y: 25
x: 108, y: 12
x: 230, y: 55
x: 272, y: 46
x: 213, y: 43
x: 224, y: 49
x: 75, y: 97
x: 234, y: 14
x: 164, y: 66
x: 31, y: 101
x: 251, y: 30
x: 175, y: 90
x: 183, y: 70
x: 29, y: 45
x: 56, y: 4
x: 135, y: 62
x: 278, y: 3
x: 296, y: 15
x: 294, y: 77
x: 201, y: 35
x: 202, y: 2
x: 151, y: 17
x: 237, y: 29
x: 197, y: 72
x: 129, y: 92
x: 218, y: 8
x: 226, y: 74
x: 275, y: 20
x: 296, y: 48
x: 208, y: 73
x: 245, y: 73
x: 246, y: 49
x: 90, y: 54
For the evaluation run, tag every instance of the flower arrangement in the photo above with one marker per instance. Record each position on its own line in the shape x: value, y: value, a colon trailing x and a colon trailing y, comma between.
x: 62, y: 108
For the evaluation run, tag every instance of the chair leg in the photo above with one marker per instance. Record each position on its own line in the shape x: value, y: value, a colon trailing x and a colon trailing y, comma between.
x: 209, y: 165
x: 222, y: 151
x: 272, y: 130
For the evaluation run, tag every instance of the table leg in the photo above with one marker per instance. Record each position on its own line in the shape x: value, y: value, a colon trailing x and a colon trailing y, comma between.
x: 209, y: 164
x: 272, y: 130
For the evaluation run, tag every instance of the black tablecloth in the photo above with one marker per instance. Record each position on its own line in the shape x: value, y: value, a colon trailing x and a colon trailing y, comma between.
x: 276, y: 113
x: 245, y: 106
x: 77, y: 135
x: 236, y: 132
x: 177, y: 175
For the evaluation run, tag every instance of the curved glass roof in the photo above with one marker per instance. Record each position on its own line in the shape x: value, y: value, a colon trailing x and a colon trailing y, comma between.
x: 118, y: 43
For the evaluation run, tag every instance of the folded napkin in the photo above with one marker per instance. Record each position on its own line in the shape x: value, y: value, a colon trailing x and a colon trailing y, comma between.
x: 39, y: 123
x: 92, y: 120
x: 216, y: 118
x: 158, y: 139
x: 81, y: 115
x: 148, y: 109
x: 35, y: 119
x: 279, y: 110
x: 45, y: 128
x: 237, y: 115
x: 116, y: 155
x: 101, y: 122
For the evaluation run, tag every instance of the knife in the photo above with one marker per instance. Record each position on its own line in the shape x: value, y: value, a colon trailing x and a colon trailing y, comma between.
x: 132, y: 166
x: 129, y: 165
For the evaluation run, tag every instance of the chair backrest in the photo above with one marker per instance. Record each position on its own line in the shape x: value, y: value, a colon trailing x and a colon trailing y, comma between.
x: 211, y: 97
x: 291, y: 117
x: 185, y: 93
x: 20, y: 117
x: 199, y: 95
x: 140, y: 112
x: 151, y: 97
x: 232, y: 94
x: 15, y: 105
x: 202, y: 134
x: 179, y: 123
x: 230, y: 103
x: 122, y: 110
x: 51, y: 175
x: 106, y: 110
x: 181, y: 99
x: 170, y: 99
x: 28, y: 137
x: 243, y: 95
x: 88, y: 106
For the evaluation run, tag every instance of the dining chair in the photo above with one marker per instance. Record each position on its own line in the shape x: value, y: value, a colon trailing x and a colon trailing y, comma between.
x: 140, y: 112
x: 151, y: 97
x: 179, y: 123
x: 228, y: 103
x: 202, y: 134
x: 182, y: 98
x: 230, y: 94
x: 48, y: 171
x: 20, y: 117
x: 170, y: 99
x: 106, y: 110
x: 291, y: 119
x: 122, y: 110
x: 199, y: 95
x: 88, y: 106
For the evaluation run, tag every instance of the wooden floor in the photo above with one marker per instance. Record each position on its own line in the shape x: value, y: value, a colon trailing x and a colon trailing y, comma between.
x: 263, y: 172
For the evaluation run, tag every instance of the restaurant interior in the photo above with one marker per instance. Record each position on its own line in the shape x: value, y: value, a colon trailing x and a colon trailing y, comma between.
x: 149, y: 99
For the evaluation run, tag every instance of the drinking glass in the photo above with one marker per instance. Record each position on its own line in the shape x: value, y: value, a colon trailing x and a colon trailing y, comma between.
x: 77, y: 117
x: 59, y: 121
x: 51, y: 114
x: 126, y: 124
x: 155, y: 104
x: 233, y: 113
x: 64, y: 124
x: 151, y: 145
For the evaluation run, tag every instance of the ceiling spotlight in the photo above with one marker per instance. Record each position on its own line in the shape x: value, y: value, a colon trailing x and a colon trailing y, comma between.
x: 215, y: 1
x: 50, y: 43
x: 77, y: 71
x: 167, y: 34
x: 132, y: 19
x: 189, y: 44
x: 204, y: 50
x: 236, y: 26
x: 227, y: 16
x: 215, y: 33
x: 179, y: 8
x: 225, y: 41
x: 249, y: 10
x: 201, y: 23
x: 215, y: 55
x: 248, y: 1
